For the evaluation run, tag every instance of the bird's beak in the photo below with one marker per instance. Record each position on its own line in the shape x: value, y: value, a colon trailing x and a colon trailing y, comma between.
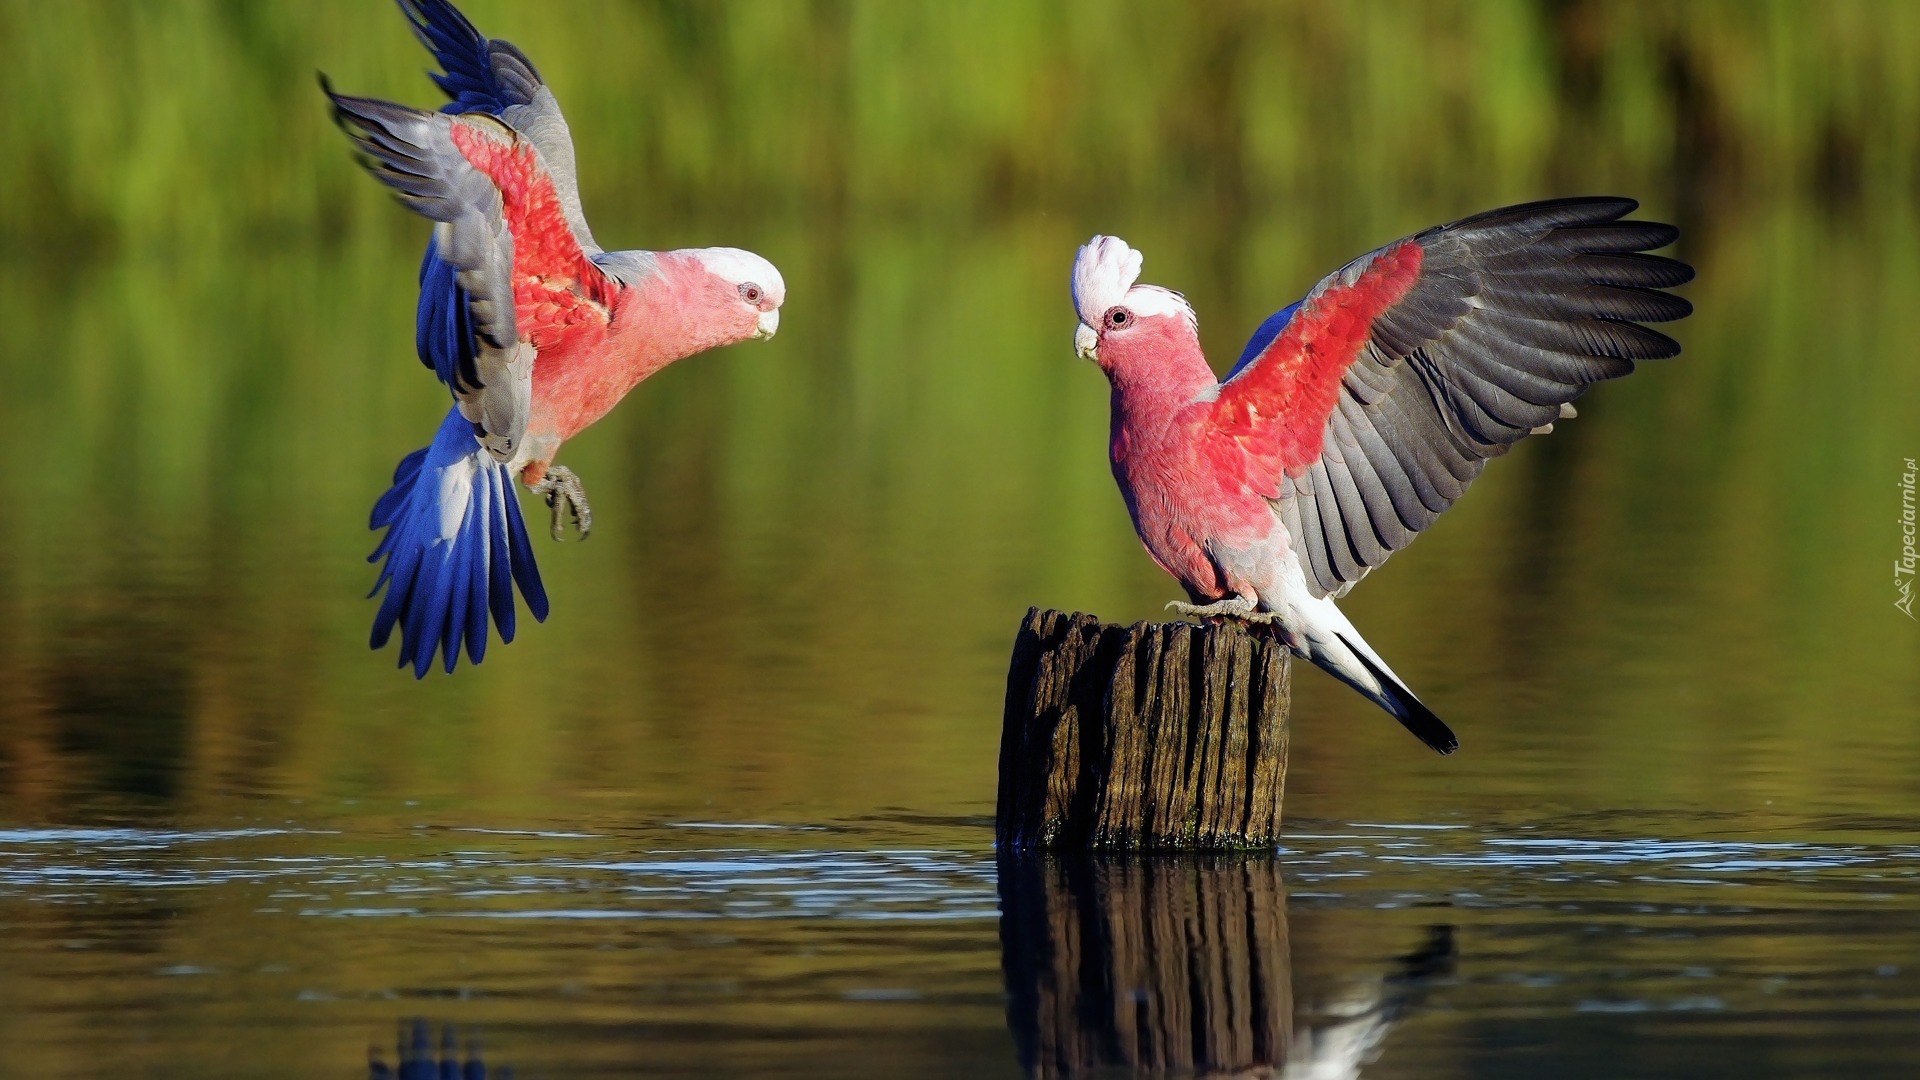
x: 1086, y: 342
x: 769, y: 325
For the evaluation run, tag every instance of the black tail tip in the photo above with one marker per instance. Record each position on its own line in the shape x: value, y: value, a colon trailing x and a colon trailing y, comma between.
x: 1420, y: 720
x: 1445, y: 745
x: 1406, y: 708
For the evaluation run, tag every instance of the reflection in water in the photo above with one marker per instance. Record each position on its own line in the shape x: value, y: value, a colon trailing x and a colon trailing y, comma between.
x: 1182, y: 964
x: 1617, y: 946
x: 419, y: 1059
x: 1345, y: 1033
x: 1145, y: 962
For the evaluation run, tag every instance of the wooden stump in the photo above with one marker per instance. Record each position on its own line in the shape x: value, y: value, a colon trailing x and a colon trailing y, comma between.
x: 1134, y: 965
x: 1168, y: 736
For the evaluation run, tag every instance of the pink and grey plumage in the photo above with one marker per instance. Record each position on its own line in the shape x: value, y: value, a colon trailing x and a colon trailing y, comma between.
x: 536, y: 331
x: 1356, y: 416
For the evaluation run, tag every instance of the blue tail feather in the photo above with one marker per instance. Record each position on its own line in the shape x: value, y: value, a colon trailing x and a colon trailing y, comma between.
x: 459, y: 572
x: 478, y: 525
x: 524, y: 571
x: 455, y: 547
x: 499, y: 573
x: 403, y: 475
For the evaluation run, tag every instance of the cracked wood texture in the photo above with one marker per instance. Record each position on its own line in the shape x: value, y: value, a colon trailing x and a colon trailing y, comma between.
x: 1150, y: 736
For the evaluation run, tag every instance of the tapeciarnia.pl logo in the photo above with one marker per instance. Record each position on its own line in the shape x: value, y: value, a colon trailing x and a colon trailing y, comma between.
x: 1903, y: 567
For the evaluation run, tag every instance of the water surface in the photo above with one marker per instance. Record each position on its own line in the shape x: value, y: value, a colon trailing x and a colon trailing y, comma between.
x: 1562, y: 947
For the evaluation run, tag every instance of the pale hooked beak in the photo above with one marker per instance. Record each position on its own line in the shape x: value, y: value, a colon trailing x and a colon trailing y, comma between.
x: 769, y: 325
x: 1086, y: 341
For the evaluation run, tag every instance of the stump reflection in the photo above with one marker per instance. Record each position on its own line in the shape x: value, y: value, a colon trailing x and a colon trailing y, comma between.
x: 1146, y: 963
x: 1142, y: 965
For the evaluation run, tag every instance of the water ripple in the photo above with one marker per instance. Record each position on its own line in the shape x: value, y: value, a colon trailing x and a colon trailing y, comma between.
x: 541, y: 873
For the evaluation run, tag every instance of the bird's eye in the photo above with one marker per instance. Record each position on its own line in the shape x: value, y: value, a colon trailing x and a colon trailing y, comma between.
x: 1119, y: 318
x: 751, y: 293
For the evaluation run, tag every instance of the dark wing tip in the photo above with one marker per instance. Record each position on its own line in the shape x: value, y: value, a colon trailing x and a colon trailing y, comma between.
x: 338, y: 104
x: 439, y: 17
x: 1654, y: 234
x: 1546, y: 214
x: 1594, y: 208
x: 481, y: 74
x: 359, y: 111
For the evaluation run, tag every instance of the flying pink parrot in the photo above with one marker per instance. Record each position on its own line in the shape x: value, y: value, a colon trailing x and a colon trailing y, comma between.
x: 535, y: 330
x: 1354, y: 417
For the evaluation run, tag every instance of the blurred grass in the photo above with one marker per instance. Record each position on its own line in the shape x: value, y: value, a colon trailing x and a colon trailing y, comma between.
x: 194, y: 124
x: 811, y: 554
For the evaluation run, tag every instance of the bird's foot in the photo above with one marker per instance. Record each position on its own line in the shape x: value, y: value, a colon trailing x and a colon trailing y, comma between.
x: 1233, y: 607
x: 563, y: 492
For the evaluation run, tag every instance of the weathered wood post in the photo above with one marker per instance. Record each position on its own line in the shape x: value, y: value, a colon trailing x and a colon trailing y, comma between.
x: 1150, y: 736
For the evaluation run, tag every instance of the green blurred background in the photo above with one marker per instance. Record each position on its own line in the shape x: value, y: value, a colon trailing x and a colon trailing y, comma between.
x: 811, y: 555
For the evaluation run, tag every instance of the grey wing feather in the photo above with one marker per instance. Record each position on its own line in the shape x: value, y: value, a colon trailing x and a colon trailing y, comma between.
x: 541, y: 122
x: 1514, y: 314
x: 413, y: 153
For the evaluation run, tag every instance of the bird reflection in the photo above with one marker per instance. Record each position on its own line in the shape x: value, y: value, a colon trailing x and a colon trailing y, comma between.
x: 1347, y: 1031
x: 1150, y: 964
x: 418, y: 1058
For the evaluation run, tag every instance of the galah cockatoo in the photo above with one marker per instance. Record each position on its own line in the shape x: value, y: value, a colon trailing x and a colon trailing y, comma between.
x: 535, y: 330
x: 1354, y: 417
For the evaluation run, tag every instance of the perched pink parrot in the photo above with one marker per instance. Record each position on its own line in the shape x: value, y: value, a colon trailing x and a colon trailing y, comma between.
x: 535, y: 330
x: 1357, y: 415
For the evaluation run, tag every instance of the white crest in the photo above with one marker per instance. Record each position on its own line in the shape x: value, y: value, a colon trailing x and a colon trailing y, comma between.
x: 1102, y: 274
x: 742, y: 268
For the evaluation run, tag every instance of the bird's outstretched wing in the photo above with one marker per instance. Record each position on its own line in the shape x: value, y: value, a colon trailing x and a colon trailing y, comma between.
x: 505, y: 275
x: 1367, y: 408
x: 490, y: 76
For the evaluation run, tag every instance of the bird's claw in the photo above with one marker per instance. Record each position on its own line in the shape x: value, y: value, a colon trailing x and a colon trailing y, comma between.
x: 1233, y: 607
x: 562, y: 489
